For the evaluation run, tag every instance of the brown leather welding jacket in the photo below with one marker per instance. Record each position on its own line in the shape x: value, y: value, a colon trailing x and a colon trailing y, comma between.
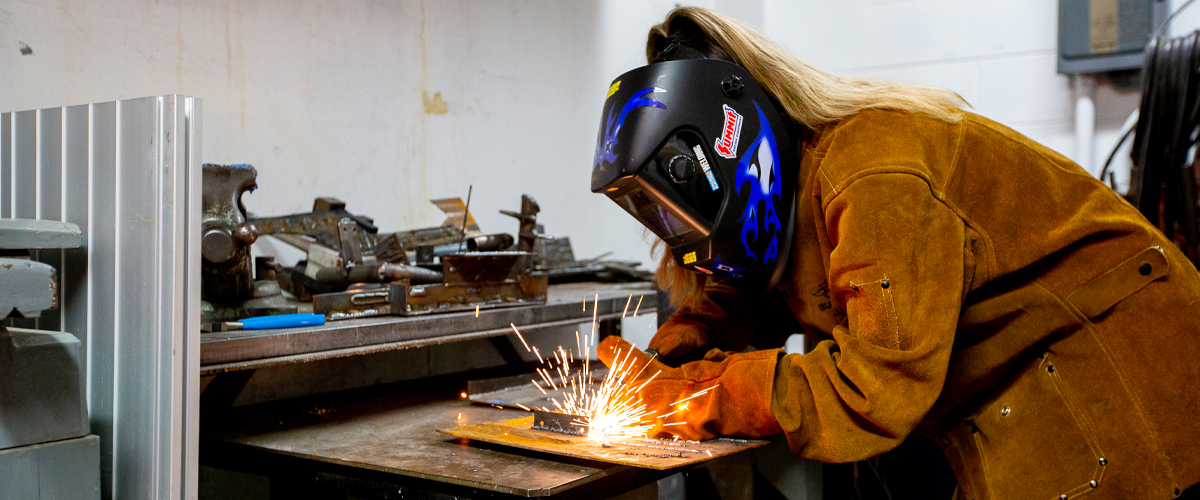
x: 974, y: 286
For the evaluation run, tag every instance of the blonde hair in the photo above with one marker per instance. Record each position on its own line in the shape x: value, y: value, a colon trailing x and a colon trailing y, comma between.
x: 808, y: 95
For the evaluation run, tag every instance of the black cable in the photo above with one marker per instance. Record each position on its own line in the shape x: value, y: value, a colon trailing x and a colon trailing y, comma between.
x: 1124, y: 137
x: 1163, y: 182
x: 1170, y: 18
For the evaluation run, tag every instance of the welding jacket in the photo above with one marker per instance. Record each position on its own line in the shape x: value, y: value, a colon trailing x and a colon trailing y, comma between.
x: 971, y: 285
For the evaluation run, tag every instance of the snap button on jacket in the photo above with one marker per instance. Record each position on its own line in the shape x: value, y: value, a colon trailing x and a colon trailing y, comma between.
x: 982, y: 290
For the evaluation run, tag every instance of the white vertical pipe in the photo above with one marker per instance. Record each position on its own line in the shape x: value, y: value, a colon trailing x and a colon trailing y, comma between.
x: 1085, y: 121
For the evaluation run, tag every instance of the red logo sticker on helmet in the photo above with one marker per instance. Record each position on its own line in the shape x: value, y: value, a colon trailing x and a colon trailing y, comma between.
x: 727, y: 144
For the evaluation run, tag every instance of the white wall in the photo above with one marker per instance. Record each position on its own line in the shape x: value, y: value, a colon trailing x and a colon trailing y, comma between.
x: 345, y: 98
x: 1000, y: 56
x: 389, y: 104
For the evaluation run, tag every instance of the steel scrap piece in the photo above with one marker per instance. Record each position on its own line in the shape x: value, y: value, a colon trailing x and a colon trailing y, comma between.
x: 473, y: 280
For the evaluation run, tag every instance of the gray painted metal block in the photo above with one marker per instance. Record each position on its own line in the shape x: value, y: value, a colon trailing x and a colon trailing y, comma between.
x: 41, y: 390
x: 33, y: 233
x: 27, y: 288
x: 59, y: 470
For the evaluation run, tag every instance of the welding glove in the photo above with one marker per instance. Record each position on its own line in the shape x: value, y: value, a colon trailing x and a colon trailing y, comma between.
x: 678, y: 337
x: 734, y: 399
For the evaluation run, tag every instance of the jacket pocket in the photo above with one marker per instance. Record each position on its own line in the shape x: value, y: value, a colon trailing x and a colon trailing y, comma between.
x: 874, y: 313
x: 1031, y: 441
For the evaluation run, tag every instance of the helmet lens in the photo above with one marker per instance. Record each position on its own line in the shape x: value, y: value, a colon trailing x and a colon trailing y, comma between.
x: 652, y: 215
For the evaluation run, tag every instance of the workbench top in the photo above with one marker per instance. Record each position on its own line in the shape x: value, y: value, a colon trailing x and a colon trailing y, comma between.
x: 391, y: 430
x: 566, y: 304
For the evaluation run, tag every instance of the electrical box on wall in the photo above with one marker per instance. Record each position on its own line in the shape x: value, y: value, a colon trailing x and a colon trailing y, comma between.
x: 1106, y: 35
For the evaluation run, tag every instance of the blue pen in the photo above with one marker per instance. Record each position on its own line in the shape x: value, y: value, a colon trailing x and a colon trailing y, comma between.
x: 267, y: 322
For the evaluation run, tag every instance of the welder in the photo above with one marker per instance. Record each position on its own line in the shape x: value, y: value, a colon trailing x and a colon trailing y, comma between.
x: 965, y: 282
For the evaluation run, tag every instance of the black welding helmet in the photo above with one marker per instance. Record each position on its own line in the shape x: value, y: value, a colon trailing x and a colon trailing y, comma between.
x: 692, y: 149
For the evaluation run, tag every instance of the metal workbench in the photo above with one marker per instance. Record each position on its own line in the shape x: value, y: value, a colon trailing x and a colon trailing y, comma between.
x: 381, y: 442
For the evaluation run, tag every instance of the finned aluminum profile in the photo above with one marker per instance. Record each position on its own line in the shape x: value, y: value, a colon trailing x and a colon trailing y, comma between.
x: 127, y: 173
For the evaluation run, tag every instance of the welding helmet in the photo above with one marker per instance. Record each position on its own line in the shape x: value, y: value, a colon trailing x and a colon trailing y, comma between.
x: 692, y: 149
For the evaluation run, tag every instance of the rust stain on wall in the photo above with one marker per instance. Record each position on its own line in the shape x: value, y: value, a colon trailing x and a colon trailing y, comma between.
x: 434, y: 105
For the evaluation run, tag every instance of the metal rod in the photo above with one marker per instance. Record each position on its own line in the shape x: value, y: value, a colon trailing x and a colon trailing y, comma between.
x: 466, y: 216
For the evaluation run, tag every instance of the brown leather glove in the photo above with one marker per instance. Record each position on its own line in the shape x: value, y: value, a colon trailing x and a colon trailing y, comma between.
x: 678, y: 337
x: 737, y: 402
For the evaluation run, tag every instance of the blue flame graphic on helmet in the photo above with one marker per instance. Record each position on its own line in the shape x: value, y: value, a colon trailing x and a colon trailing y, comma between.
x: 731, y: 271
x: 606, y: 144
x: 759, y: 167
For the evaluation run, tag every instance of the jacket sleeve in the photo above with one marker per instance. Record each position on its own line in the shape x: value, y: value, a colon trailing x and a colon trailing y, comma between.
x: 896, y: 265
x: 728, y: 321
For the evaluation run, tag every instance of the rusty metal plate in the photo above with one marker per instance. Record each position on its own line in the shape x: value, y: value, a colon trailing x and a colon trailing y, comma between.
x: 448, y: 297
x: 658, y: 454
x: 484, y: 267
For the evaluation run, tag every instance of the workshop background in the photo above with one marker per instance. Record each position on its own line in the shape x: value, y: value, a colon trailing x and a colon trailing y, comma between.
x: 391, y: 103
x: 388, y: 104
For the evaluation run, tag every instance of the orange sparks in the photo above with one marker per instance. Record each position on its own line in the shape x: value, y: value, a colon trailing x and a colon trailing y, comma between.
x: 696, y: 394
x: 639, y: 305
x: 464, y: 395
x: 514, y: 327
x: 476, y: 310
x: 610, y: 408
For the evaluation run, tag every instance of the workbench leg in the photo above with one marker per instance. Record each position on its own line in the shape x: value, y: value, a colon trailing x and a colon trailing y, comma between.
x: 223, y: 391
x: 507, y: 351
x: 293, y: 488
x: 608, y: 327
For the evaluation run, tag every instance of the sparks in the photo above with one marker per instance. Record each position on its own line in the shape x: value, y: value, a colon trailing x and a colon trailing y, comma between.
x: 696, y: 394
x: 610, y: 408
x: 627, y: 301
x: 639, y: 305
x: 476, y: 310
x: 514, y: 327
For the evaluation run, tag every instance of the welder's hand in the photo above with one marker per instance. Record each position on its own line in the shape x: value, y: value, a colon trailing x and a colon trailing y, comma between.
x: 716, y: 354
x: 676, y: 339
x: 734, y: 399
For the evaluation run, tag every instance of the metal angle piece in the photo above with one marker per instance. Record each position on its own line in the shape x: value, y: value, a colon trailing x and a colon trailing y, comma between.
x: 562, y: 423
x: 363, y: 302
